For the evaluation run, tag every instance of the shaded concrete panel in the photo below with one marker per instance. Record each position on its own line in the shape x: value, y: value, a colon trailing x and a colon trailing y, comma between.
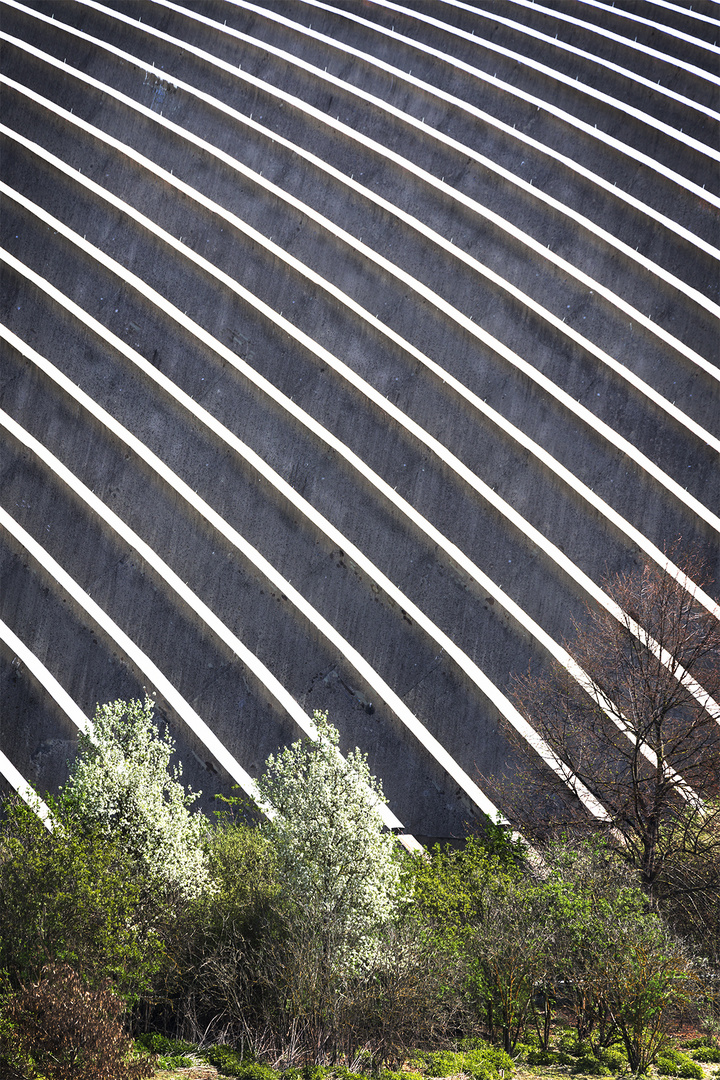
x: 439, y: 694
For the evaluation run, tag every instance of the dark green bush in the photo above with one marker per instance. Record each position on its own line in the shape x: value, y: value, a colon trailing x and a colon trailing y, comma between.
x: 74, y: 897
x: 156, y: 1043
x: 172, y: 1053
x: 538, y: 1056
x: 709, y: 1054
x: 673, y: 1063
x: 589, y: 1065
x: 483, y: 1062
x: 550, y: 1057
x: 568, y: 1044
x: 230, y: 1062
x: 614, y: 1058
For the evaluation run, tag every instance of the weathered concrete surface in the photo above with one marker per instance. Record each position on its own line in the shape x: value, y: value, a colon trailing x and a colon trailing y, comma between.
x: 437, y: 691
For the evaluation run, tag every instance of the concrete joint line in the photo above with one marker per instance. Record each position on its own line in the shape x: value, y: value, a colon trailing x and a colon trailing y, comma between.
x: 514, y: 91
x: 139, y: 658
x: 316, y: 279
x: 438, y: 136
x: 534, y: 535
x: 655, y: 25
x: 613, y: 437
x: 486, y: 339
x: 181, y: 588
x: 600, y: 31
x: 475, y: 207
x: 565, y: 46
x: 136, y: 656
x: 365, y: 671
x: 324, y: 355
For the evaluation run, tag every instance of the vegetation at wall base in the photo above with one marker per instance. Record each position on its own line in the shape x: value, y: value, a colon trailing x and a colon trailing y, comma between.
x: 311, y: 946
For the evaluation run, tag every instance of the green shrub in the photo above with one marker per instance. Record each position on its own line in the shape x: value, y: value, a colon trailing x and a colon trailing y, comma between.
x: 171, y: 1053
x: 568, y: 1044
x: 73, y: 896
x: 156, y: 1043
x: 709, y: 1054
x: 673, y: 1063
x: 550, y: 1057
x: 230, y: 1062
x: 614, y: 1058
x: 589, y: 1065
x: 484, y: 1062
x: 309, y: 1072
x: 538, y: 1056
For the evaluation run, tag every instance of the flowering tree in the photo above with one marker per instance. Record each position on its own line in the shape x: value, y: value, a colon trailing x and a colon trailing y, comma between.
x: 338, y: 865
x: 121, y: 783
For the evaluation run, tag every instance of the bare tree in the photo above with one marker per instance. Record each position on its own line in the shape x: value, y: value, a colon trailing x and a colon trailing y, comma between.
x: 641, y: 727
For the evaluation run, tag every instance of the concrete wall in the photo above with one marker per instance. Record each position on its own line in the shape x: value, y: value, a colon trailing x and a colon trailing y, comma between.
x: 354, y: 275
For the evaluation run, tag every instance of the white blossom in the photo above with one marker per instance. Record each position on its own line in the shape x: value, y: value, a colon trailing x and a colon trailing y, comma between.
x: 339, y: 866
x: 121, y: 783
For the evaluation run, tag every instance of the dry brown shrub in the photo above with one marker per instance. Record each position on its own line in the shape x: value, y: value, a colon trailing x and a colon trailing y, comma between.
x: 64, y: 1031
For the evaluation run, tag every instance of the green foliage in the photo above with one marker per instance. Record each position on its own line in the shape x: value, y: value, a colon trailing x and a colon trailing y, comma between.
x: 171, y: 1053
x: 482, y: 1062
x: 708, y: 1054
x: 614, y: 1058
x: 120, y: 784
x: 625, y: 971
x: 230, y: 1062
x: 673, y: 1063
x: 449, y: 888
x: 73, y: 896
x: 643, y: 978
x: 57, y: 1029
x: 155, y: 1043
x: 512, y: 954
x: 589, y: 1065
x: 225, y: 941
x: 388, y: 1074
x: 540, y: 1056
x: 313, y: 938
x: 243, y: 874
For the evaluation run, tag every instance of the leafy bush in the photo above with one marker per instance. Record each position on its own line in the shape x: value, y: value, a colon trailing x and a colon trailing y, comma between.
x: 172, y: 1053
x: 73, y: 896
x: 673, y: 1063
x: 406, y: 1074
x: 230, y: 1062
x: 589, y: 1065
x: 708, y: 1054
x: 614, y: 1058
x: 60, y: 1030
x: 483, y: 1062
x: 550, y: 1057
x: 568, y: 1043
